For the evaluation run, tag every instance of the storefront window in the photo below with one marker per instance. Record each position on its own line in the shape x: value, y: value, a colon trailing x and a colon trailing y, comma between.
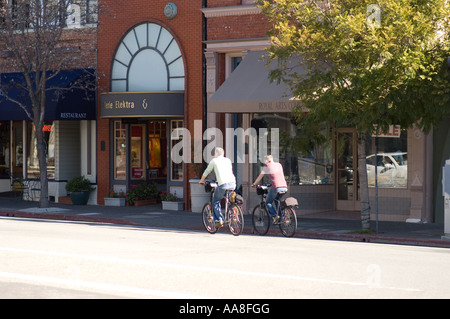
x: 391, y: 159
x: 5, y: 148
x: 177, y: 168
x: 157, y: 149
x: 137, y: 152
x: 120, y: 151
x: 301, y: 167
x: 32, y: 158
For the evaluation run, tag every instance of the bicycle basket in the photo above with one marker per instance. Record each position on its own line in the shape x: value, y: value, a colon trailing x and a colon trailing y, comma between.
x: 236, y: 198
x: 290, y: 201
x: 261, y: 191
x: 209, y: 186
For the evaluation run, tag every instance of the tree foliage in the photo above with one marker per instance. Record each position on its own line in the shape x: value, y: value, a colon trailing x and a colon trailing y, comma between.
x: 368, y: 64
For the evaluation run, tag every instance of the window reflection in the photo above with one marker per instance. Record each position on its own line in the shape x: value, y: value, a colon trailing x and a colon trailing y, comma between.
x: 32, y: 158
x: 391, y: 161
x: 302, y: 164
x: 157, y: 145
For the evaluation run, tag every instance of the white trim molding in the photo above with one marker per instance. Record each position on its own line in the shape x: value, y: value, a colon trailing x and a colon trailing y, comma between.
x: 231, y: 11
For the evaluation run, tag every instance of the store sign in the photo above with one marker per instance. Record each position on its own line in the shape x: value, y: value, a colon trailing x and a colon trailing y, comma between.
x: 139, y: 104
x: 73, y: 116
x: 393, y: 131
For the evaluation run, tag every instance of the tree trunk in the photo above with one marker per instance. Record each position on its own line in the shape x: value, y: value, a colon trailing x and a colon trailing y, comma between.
x: 42, y: 158
x: 364, y: 184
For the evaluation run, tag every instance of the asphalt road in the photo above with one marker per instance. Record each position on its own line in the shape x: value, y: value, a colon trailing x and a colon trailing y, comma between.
x: 57, y: 259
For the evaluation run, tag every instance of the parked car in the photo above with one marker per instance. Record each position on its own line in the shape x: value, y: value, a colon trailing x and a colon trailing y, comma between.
x: 392, y: 169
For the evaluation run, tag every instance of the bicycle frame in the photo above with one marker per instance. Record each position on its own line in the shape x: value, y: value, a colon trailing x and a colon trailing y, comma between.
x: 261, y: 219
x: 227, y: 200
x: 277, y: 199
x: 234, y: 220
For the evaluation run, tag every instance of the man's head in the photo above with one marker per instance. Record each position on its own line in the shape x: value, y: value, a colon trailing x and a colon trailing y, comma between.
x: 268, y: 159
x: 218, y: 152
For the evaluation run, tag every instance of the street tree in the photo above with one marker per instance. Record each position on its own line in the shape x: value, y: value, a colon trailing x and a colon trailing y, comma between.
x: 368, y: 64
x: 36, y: 34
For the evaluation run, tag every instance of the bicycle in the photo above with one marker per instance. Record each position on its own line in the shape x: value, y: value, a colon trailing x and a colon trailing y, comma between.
x: 233, y: 215
x: 285, y: 210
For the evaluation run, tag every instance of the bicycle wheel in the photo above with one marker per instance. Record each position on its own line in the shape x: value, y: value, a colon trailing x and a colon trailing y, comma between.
x: 260, y: 220
x: 288, y: 222
x: 208, y: 219
x: 236, y: 216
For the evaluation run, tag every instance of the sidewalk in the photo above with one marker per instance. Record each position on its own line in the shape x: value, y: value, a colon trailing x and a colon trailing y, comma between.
x: 315, y: 226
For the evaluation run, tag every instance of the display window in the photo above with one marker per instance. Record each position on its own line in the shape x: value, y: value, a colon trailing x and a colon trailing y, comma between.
x: 389, y: 153
x: 177, y: 169
x: 157, y: 149
x: 137, y: 152
x: 32, y: 156
x: 300, y: 167
x: 120, y: 151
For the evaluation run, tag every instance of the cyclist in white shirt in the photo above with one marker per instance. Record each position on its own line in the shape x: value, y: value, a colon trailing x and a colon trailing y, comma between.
x: 225, y: 179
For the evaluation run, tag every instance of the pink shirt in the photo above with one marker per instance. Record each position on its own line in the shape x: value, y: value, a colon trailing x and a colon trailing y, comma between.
x: 276, y: 174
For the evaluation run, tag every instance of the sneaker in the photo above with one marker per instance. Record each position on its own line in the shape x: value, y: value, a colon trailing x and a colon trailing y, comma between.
x: 219, y: 224
x: 276, y: 220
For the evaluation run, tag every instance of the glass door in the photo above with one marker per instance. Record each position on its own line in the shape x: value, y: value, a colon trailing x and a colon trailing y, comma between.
x: 120, y: 151
x: 138, y: 157
x: 347, y: 185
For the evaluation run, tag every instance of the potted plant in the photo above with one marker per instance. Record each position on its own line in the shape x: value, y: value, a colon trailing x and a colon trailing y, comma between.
x: 170, y: 201
x: 79, y: 189
x: 142, y: 194
x: 115, y: 199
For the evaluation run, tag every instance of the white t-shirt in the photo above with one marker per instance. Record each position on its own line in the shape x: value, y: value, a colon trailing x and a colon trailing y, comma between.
x: 222, y: 168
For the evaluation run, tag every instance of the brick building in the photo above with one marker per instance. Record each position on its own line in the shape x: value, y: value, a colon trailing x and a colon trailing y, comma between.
x: 325, y: 179
x: 150, y: 58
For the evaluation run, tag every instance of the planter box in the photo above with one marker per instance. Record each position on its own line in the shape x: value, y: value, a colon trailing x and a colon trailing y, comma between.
x: 145, y: 202
x: 114, y: 201
x: 198, y: 196
x: 79, y: 198
x: 172, y: 205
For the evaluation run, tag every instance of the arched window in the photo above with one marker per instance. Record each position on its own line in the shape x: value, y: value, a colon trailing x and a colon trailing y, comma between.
x: 148, y: 59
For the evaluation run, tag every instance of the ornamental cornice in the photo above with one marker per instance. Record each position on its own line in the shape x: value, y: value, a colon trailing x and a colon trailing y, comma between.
x: 231, y: 11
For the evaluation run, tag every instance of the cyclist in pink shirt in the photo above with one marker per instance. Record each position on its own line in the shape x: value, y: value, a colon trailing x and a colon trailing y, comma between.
x: 276, y: 177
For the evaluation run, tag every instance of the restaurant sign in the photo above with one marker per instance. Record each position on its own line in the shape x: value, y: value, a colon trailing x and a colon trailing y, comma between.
x: 142, y: 104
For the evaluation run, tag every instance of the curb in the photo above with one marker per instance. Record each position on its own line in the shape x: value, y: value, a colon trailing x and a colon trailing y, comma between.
x: 248, y: 230
x: 376, y: 239
x: 77, y: 218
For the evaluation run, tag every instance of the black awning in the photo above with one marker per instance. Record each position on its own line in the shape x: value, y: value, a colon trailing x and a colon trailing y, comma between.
x: 62, y: 103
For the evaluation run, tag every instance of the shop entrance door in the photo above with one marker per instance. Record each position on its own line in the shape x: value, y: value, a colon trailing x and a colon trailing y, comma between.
x: 347, y: 184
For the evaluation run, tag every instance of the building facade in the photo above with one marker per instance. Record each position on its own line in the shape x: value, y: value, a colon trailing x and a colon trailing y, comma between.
x: 150, y: 56
x: 70, y: 114
x: 163, y: 65
x: 324, y: 179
